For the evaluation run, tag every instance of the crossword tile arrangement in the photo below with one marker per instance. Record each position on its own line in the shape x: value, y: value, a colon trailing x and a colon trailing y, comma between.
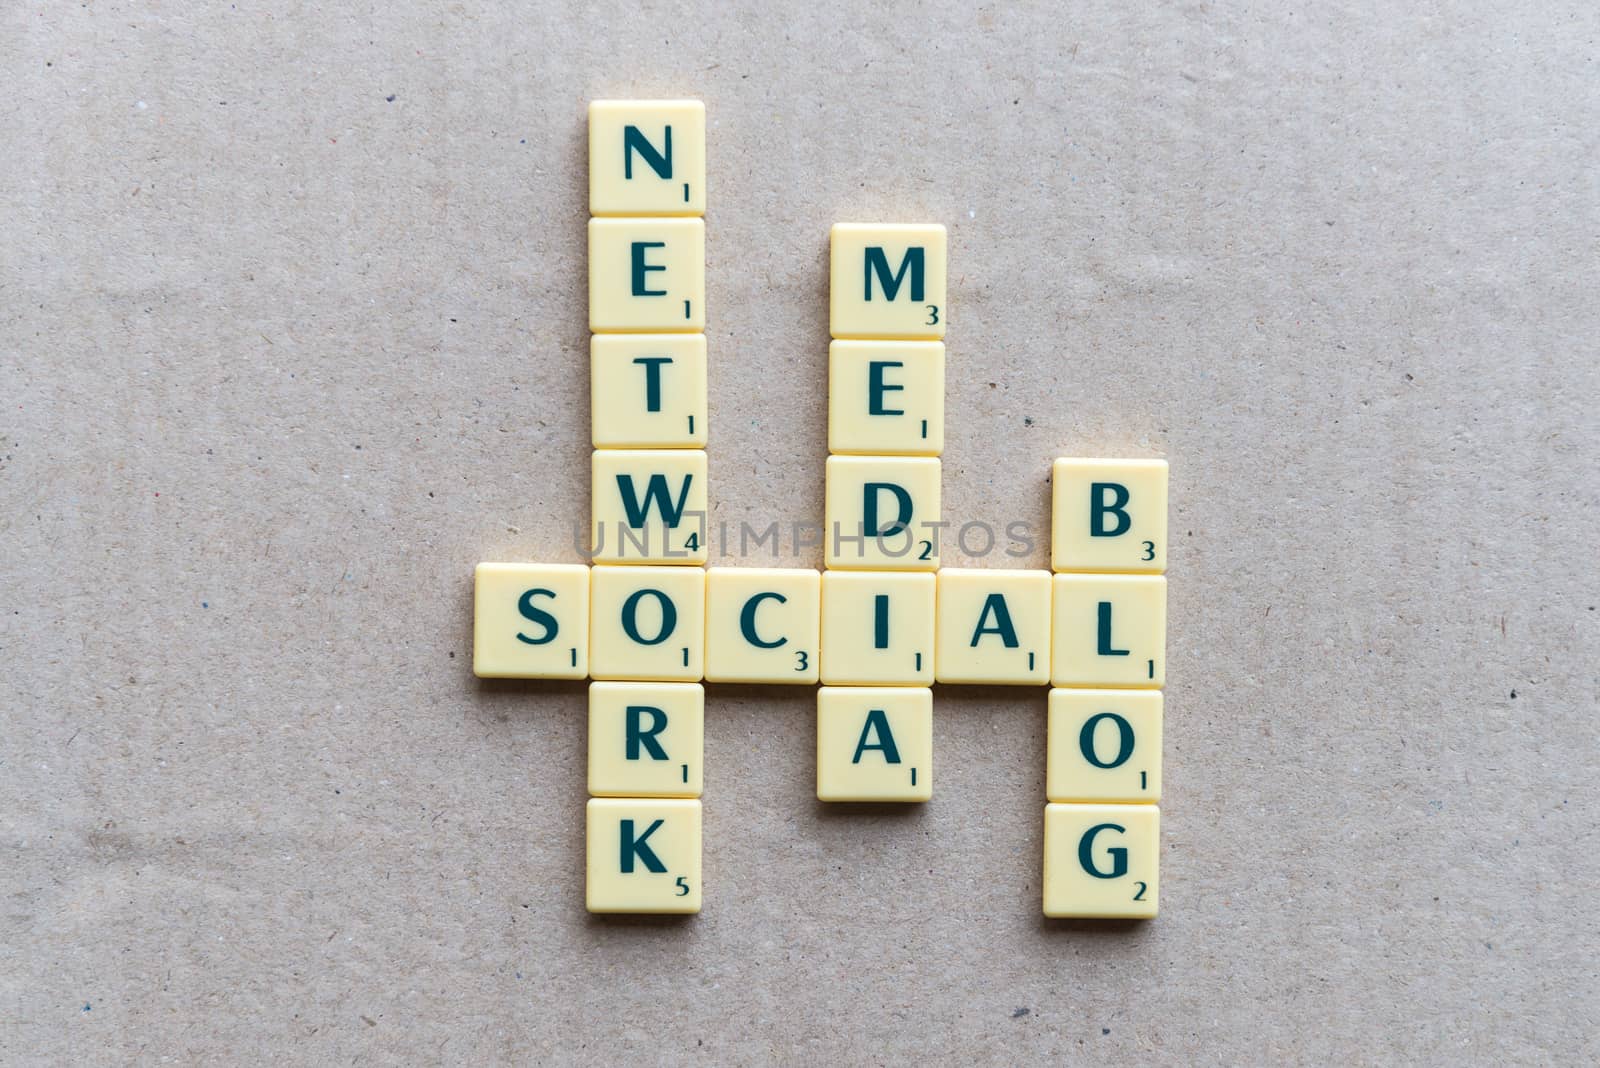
x: 648, y: 622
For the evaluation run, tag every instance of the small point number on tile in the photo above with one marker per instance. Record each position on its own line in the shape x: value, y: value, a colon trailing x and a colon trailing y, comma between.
x: 933, y: 315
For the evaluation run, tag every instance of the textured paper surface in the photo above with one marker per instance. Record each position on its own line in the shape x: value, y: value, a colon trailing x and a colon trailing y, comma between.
x: 294, y: 335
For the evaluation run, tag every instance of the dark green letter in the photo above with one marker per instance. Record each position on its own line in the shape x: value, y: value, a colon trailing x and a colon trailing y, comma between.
x: 537, y: 615
x: 747, y: 620
x: 996, y: 603
x: 869, y: 509
x: 646, y: 738
x: 630, y: 617
x: 652, y: 380
x: 632, y: 847
x: 655, y: 491
x: 1119, y: 855
x: 877, y: 721
x: 640, y: 267
x: 1105, y: 648
x: 877, y: 387
x: 877, y: 261
x: 1098, y: 509
x: 1124, y: 740
x: 634, y: 141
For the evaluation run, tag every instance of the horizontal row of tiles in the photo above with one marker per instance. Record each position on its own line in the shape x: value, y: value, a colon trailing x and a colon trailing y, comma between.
x: 648, y: 391
x: 798, y: 626
x: 874, y: 743
x: 1100, y: 861
x: 648, y: 275
x: 647, y: 191
x: 649, y: 506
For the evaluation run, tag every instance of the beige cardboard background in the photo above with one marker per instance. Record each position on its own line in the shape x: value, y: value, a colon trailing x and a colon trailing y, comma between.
x: 294, y: 334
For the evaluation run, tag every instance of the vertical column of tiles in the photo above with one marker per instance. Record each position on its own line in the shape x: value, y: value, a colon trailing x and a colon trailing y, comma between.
x: 881, y: 512
x: 1108, y: 607
x: 647, y: 374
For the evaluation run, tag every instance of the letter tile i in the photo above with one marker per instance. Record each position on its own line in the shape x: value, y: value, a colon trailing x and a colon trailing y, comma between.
x: 1108, y: 608
x: 647, y: 373
x: 881, y: 508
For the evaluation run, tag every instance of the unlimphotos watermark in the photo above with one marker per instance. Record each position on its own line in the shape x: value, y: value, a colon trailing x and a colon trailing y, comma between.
x: 777, y: 540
